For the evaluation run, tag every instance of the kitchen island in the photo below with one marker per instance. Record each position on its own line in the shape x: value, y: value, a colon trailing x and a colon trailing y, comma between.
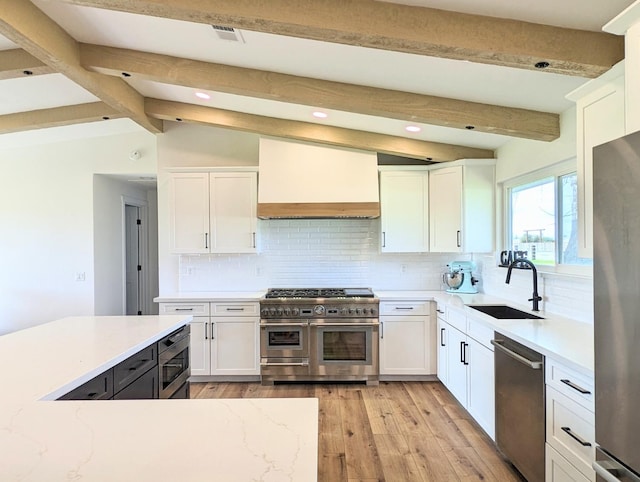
x: 186, y: 440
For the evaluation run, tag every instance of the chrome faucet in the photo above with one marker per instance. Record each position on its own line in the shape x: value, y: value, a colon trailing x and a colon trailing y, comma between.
x: 535, y: 298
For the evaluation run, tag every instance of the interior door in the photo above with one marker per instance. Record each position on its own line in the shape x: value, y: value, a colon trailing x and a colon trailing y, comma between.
x: 132, y: 263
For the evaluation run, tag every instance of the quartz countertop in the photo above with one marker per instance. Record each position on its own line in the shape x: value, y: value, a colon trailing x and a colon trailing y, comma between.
x: 563, y: 339
x: 141, y: 440
x: 206, y: 296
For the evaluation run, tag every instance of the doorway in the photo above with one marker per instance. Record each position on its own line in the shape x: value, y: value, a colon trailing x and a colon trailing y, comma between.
x: 136, y: 258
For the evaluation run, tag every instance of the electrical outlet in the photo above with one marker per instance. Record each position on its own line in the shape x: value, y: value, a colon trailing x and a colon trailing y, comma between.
x: 403, y: 268
x: 81, y: 276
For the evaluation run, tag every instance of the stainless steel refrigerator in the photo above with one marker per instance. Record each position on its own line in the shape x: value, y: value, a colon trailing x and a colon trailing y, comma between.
x: 616, y: 278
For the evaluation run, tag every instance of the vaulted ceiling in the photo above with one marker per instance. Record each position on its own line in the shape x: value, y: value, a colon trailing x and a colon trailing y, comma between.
x: 470, y: 76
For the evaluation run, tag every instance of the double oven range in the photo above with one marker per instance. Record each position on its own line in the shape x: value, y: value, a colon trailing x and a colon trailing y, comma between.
x: 324, y: 334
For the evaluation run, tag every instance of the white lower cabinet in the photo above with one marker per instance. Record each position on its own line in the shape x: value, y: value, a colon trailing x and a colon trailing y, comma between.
x: 443, y: 344
x: 468, y: 366
x: 570, y: 424
x: 557, y: 469
x: 224, y: 343
x: 407, y: 338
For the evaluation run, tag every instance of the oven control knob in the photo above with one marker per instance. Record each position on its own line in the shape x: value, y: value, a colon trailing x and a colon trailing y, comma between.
x: 365, y: 311
x: 296, y: 311
x: 343, y: 311
x: 280, y: 311
x: 264, y: 311
x: 373, y: 311
x: 351, y: 311
x: 287, y: 311
x: 358, y: 311
x: 318, y: 310
x: 272, y: 311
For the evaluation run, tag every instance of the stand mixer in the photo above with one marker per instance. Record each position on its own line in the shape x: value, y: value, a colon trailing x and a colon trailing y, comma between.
x: 459, y: 278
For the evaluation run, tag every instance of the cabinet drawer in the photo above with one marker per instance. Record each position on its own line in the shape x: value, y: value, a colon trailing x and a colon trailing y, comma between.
x: 195, y: 309
x: 457, y: 318
x: 235, y: 309
x: 559, y: 470
x: 571, y: 431
x: 410, y: 308
x: 479, y: 332
x: 126, y: 372
x: 98, y: 388
x: 144, y: 388
x: 575, y: 385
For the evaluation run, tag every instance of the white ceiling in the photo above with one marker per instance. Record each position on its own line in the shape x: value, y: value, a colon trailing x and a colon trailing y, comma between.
x: 371, y: 67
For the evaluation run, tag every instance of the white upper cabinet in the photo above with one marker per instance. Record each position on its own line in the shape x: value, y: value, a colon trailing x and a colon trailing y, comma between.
x: 213, y: 212
x: 404, y: 211
x: 189, y: 212
x: 461, y: 208
x: 600, y: 117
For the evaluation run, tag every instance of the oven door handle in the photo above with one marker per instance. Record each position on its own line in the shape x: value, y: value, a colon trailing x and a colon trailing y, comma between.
x: 283, y: 325
x: 284, y: 364
x: 360, y: 324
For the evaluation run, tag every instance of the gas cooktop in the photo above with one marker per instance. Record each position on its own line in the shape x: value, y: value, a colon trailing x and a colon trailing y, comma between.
x: 319, y: 293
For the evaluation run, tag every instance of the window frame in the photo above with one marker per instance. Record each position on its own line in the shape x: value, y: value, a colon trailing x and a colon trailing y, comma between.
x: 555, y: 171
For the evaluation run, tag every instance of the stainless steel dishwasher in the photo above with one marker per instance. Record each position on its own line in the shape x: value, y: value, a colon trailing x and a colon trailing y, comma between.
x: 520, y: 400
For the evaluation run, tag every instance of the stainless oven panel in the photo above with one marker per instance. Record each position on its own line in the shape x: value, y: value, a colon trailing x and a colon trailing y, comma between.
x: 173, y: 362
x: 345, y: 350
x: 284, y: 340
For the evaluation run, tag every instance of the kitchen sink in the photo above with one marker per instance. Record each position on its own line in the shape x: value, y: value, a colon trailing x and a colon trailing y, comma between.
x: 505, y: 312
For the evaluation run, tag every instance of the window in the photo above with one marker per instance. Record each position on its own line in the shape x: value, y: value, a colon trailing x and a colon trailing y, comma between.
x: 542, y: 218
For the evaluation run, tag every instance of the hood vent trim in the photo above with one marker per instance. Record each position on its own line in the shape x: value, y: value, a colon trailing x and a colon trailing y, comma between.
x: 318, y: 210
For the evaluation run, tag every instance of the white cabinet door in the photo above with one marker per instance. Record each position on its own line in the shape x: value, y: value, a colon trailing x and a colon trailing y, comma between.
x: 457, y: 369
x: 557, y: 469
x: 445, y: 214
x: 443, y: 352
x: 462, y: 209
x: 480, y: 385
x: 404, y: 211
x: 406, y: 345
x: 200, y: 348
x: 234, y: 346
x: 600, y: 118
x: 189, y: 212
x: 233, y: 201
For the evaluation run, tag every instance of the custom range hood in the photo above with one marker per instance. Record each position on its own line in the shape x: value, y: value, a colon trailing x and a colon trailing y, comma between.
x: 302, y: 180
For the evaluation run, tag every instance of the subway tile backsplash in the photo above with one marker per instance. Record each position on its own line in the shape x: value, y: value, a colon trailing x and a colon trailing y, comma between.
x: 345, y: 252
x: 315, y: 253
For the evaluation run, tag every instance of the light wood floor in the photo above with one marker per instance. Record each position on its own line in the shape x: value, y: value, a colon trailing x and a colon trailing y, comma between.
x: 398, y: 431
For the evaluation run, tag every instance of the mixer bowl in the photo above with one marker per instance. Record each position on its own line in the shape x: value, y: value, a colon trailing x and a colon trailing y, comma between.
x: 453, y: 279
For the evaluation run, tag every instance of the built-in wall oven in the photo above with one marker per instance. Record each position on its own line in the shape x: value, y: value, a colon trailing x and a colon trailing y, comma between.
x: 326, y: 334
x: 173, y: 364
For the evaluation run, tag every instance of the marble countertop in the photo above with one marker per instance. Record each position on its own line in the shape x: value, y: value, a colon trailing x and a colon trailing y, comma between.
x: 563, y: 339
x: 141, y: 440
x: 195, y: 296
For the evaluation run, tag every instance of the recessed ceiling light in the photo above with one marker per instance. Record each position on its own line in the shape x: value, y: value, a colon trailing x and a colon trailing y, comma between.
x: 412, y: 129
x: 320, y: 115
x: 202, y: 95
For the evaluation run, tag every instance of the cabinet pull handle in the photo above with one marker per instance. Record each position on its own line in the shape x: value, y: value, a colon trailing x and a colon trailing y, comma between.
x: 404, y: 307
x: 442, y: 312
x: 183, y: 309
x: 462, y: 352
x: 212, y: 337
x: 254, y: 240
x: 206, y: 325
x: 235, y: 309
x: 466, y: 345
x: 384, y: 239
x: 142, y: 363
x: 442, y: 337
x: 577, y: 388
x: 206, y: 240
x: 382, y: 329
x: 458, y: 238
x: 578, y: 439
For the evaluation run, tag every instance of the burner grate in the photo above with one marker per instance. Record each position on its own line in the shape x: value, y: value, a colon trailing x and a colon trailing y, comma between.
x: 318, y: 293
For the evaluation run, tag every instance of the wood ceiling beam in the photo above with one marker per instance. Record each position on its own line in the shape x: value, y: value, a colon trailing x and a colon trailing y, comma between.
x: 27, y: 26
x: 305, y: 131
x: 402, y: 28
x: 56, y: 117
x: 414, y: 108
x: 17, y: 63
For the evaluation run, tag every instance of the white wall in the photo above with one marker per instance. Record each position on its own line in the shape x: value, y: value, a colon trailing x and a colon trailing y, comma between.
x: 108, y: 197
x: 46, y: 209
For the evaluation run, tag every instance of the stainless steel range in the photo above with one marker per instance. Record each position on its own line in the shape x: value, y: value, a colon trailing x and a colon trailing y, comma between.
x: 319, y: 334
